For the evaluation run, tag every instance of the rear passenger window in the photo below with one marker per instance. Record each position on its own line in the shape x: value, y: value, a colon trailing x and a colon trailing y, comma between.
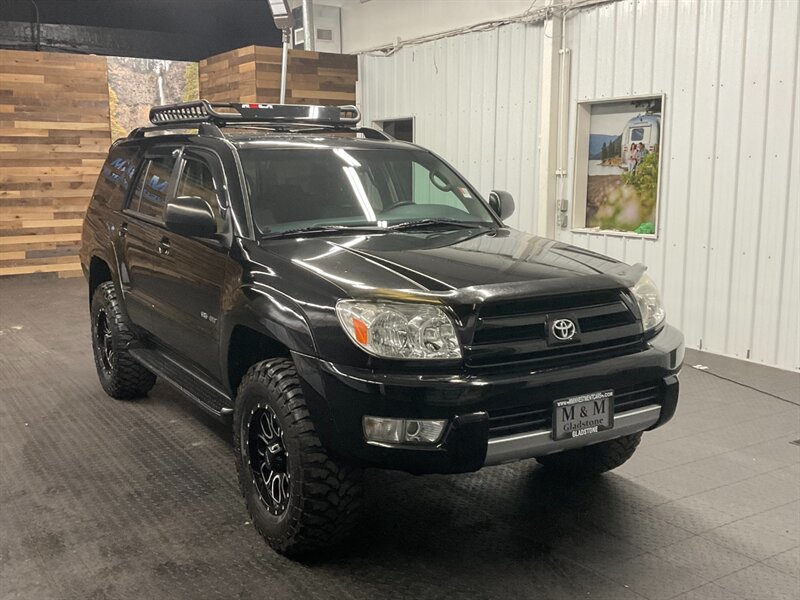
x: 150, y: 195
x: 196, y: 180
x: 115, y: 177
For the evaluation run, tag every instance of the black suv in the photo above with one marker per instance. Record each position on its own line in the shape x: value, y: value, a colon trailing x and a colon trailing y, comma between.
x: 351, y: 301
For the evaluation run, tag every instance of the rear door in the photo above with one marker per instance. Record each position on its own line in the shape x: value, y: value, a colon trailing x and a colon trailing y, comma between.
x: 141, y: 234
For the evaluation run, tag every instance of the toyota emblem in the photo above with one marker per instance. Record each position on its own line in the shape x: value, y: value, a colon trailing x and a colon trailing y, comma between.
x: 563, y: 329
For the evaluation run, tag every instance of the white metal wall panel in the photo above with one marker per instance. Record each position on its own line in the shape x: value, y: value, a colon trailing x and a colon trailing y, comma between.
x: 474, y: 98
x: 727, y: 253
x: 778, y: 272
x: 726, y: 257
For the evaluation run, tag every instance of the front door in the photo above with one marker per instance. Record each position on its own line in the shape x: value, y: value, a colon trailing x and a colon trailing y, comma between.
x: 192, y: 272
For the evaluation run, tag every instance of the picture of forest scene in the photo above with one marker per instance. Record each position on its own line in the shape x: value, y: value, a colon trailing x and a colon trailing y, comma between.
x: 622, y: 184
x: 136, y: 84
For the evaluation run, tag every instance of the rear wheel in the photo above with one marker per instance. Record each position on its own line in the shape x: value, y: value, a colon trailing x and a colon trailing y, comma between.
x: 299, y: 497
x: 594, y: 459
x: 121, y: 375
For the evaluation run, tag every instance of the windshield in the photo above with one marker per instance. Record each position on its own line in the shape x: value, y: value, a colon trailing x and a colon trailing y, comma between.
x: 296, y: 188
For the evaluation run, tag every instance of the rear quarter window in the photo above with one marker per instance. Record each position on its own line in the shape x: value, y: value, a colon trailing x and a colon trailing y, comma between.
x: 116, y: 176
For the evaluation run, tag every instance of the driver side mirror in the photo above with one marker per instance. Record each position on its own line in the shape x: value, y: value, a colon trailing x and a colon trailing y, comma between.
x: 502, y: 203
x: 190, y: 216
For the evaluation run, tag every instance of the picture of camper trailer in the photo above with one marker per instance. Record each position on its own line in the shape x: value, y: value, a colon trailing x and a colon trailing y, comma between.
x: 622, y: 162
x: 642, y: 129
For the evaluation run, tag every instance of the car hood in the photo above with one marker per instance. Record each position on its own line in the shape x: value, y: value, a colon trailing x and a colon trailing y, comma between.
x: 464, y: 266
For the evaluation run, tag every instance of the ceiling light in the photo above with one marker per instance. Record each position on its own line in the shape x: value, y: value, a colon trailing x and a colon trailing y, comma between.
x: 281, y: 13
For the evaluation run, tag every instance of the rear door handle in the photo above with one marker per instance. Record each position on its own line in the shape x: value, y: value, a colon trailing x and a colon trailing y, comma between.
x: 163, y: 247
x: 123, y: 230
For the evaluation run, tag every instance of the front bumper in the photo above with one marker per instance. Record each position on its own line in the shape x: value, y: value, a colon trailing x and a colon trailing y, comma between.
x: 340, y: 396
x: 540, y: 442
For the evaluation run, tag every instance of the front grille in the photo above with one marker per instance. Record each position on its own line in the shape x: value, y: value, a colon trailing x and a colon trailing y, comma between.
x: 512, y: 332
x: 526, y: 417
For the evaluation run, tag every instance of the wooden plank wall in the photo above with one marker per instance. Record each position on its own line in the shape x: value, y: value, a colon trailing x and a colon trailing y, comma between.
x: 55, y: 132
x: 253, y: 74
x: 54, y: 136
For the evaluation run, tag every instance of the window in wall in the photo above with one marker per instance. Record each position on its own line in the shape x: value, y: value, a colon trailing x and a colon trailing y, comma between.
x: 617, y: 166
x: 401, y: 129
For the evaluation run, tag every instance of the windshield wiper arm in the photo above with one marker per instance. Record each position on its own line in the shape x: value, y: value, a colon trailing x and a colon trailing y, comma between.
x: 322, y: 229
x: 331, y: 229
x: 427, y: 223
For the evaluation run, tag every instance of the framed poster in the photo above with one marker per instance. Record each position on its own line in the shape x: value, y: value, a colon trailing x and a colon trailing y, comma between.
x: 618, y: 165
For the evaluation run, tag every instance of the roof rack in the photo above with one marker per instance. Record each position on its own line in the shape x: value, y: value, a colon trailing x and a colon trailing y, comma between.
x: 209, y: 117
x: 225, y: 113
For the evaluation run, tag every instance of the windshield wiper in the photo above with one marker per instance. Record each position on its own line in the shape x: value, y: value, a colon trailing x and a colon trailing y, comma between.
x: 429, y: 223
x: 322, y: 229
x: 405, y: 225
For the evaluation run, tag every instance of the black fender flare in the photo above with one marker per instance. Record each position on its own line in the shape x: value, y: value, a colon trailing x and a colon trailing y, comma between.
x: 269, y: 312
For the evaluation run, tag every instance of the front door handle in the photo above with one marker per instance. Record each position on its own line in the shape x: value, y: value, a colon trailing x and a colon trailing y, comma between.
x: 163, y: 247
x: 123, y: 230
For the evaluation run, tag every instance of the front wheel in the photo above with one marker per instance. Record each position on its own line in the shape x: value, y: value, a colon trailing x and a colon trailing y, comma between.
x: 594, y: 459
x: 299, y: 497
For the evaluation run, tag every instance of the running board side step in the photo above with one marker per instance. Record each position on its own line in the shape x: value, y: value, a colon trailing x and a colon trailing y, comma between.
x: 193, y: 385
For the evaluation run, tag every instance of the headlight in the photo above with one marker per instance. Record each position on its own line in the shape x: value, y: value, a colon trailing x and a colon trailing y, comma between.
x: 649, y: 300
x: 398, y: 330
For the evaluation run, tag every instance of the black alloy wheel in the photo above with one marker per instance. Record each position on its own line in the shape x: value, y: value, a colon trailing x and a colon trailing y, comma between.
x: 268, y: 459
x: 300, y: 498
x: 120, y: 374
x: 104, y: 341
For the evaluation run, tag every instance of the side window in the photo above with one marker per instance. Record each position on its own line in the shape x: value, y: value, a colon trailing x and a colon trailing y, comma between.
x: 115, y: 176
x: 154, y: 186
x: 196, y: 180
x: 150, y: 194
x: 136, y: 197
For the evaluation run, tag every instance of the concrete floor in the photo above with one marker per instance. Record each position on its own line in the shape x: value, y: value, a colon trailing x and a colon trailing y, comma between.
x: 108, y: 499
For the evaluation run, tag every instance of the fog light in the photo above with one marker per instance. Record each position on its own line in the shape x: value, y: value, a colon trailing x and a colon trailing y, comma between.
x: 386, y: 431
x: 401, y: 431
x: 424, y: 432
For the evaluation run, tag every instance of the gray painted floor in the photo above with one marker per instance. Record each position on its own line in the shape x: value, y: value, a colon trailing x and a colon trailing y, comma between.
x: 108, y: 499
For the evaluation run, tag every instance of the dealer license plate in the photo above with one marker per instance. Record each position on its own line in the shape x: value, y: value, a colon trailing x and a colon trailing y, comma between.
x: 583, y: 415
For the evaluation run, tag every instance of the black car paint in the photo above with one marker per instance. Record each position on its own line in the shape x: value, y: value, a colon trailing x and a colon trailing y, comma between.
x: 189, y: 301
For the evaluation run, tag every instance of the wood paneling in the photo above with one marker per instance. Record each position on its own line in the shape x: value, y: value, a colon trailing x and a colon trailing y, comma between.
x: 55, y: 133
x: 253, y: 74
x: 54, y: 136
x: 229, y: 76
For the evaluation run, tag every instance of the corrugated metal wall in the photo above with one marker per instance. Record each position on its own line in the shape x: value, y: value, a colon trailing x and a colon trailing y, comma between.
x: 475, y: 102
x: 727, y: 254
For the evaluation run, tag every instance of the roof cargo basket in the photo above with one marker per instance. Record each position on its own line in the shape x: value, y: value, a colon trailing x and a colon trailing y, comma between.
x: 209, y: 117
x: 229, y: 113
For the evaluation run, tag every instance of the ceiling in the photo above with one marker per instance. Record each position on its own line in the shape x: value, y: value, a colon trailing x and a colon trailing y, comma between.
x: 169, y: 29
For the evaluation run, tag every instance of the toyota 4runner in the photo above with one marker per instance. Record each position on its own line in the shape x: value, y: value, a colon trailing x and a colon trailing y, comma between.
x: 348, y: 301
